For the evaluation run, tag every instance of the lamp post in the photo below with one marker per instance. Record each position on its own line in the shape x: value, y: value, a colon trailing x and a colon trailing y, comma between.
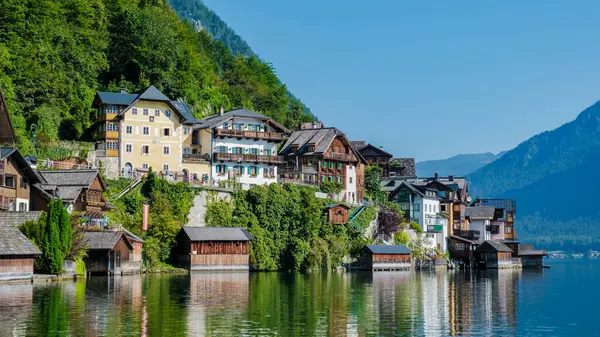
x: 33, y: 129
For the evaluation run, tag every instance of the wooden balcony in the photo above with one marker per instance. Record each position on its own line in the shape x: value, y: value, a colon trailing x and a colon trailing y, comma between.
x: 338, y: 156
x: 195, y: 157
x: 112, y: 153
x: 302, y: 169
x: 270, y: 136
x: 221, y: 156
x: 493, y: 229
x: 94, y: 198
x: 467, y: 234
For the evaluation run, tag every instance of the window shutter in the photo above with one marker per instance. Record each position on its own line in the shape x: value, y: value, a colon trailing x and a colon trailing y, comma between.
x: 241, y: 170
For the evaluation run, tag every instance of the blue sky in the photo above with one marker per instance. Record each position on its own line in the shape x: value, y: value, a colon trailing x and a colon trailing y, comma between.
x: 430, y: 79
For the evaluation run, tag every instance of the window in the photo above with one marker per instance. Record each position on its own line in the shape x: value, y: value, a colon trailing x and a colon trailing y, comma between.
x: 237, y: 126
x: 129, y: 130
x: 166, y: 132
x: 340, y: 166
x: 128, y: 148
x: 253, y: 170
x: 331, y: 165
x: 146, y: 130
x: 331, y: 178
x: 112, y: 127
x: 23, y: 207
x: 145, y: 166
x: 238, y: 150
x: 225, y: 125
x: 156, y: 112
x: 443, y: 208
x: 186, y: 150
x: 267, y: 152
x: 23, y: 183
x: 186, y: 130
x: 459, y: 247
x: 417, y: 208
x: 166, y: 150
x: 112, y: 109
x: 253, y: 151
x: 134, y: 111
x: 323, y: 178
x: 10, y: 181
x: 166, y: 167
x: 222, y: 149
x: 221, y: 169
x: 145, y: 149
x: 112, y: 145
x: 350, y: 179
x: 339, y: 179
x: 508, y: 230
x: 239, y: 169
x: 145, y: 112
x: 168, y: 113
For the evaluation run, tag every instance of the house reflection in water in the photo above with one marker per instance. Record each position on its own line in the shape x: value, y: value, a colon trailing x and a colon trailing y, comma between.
x: 17, y: 303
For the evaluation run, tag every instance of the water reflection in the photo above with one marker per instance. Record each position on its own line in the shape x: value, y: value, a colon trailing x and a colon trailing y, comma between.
x: 268, y: 304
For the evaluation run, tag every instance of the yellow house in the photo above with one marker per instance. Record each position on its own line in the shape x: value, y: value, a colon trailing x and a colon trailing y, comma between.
x: 136, y: 132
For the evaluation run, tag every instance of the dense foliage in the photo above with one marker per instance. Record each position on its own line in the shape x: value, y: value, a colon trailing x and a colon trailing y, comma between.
x: 54, y: 56
x: 388, y: 222
x: 372, y: 183
x: 290, y: 228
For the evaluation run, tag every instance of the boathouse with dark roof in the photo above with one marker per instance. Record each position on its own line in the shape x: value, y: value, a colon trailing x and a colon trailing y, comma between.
x: 385, y: 257
x: 17, y: 255
x: 213, y: 248
x: 496, y: 255
x: 109, y: 253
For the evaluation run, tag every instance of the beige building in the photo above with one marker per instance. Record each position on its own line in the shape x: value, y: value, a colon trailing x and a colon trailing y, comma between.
x: 136, y: 132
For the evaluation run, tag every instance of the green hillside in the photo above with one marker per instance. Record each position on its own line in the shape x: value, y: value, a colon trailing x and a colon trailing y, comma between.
x: 54, y: 55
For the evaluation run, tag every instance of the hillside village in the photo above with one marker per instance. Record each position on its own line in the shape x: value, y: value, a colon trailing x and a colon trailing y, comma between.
x: 147, y: 136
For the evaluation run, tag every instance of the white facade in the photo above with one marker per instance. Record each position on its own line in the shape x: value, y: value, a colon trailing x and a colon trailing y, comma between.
x: 22, y: 205
x: 245, y: 172
x: 350, y: 191
x: 426, y: 212
x: 481, y: 226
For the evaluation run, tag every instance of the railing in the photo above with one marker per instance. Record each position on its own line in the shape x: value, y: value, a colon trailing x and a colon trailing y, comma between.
x: 275, y: 136
x: 94, y: 198
x: 299, y: 170
x: 338, y: 156
x: 493, y: 229
x: 298, y: 181
x: 248, y: 158
x: 196, y: 157
x: 467, y: 234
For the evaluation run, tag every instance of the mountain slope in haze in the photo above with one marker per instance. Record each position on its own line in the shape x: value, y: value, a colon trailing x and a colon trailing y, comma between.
x: 459, y: 165
x: 204, y: 18
x: 553, y: 177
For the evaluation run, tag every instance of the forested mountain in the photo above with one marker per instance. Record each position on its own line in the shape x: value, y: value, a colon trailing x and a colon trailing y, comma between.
x: 458, y: 165
x: 55, y: 54
x: 204, y: 18
x: 552, y: 177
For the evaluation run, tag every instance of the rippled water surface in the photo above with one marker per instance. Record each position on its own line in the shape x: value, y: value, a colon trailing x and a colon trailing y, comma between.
x: 561, y: 301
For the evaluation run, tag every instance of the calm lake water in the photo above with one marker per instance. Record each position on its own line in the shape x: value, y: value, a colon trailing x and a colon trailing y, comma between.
x: 561, y: 301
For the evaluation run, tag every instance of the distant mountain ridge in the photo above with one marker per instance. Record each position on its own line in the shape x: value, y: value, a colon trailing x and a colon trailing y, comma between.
x: 553, y: 177
x: 205, y: 18
x: 459, y: 165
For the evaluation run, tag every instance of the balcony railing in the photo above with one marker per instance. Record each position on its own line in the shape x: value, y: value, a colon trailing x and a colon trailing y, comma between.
x: 302, y: 169
x: 195, y: 157
x: 256, y: 158
x: 467, y: 234
x: 274, y: 136
x: 298, y: 181
x: 493, y: 229
x: 338, y: 156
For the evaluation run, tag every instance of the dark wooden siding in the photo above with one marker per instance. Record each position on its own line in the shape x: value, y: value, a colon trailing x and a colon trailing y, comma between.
x: 391, y: 257
x: 16, y: 264
x: 220, y: 247
x: 212, y: 254
x: 338, y: 215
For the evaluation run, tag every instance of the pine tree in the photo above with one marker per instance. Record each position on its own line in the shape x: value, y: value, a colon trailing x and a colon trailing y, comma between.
x: 51, y: 251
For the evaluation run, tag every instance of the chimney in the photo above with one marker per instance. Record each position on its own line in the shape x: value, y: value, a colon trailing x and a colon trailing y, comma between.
x: 436, y: 176
x: 145, y: 217
x: 221, y: 110
x: 450, y: 178
x: 123, y: 91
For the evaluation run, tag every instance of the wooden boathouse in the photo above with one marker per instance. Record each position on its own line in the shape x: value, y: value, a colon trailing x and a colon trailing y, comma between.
x: 495, y: 254
x: 337, y: 214
x: 17, y: 254
x: 109, y: 253
x: 213, y: 248
x: 384, y: 257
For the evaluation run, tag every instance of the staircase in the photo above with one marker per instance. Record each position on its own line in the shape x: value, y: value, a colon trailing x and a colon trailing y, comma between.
x: 129, y: 188
x: 355, y: 213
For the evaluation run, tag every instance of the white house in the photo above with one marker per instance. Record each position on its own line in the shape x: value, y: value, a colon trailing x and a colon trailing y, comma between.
x: 243, y: 147
x: 481, y: 219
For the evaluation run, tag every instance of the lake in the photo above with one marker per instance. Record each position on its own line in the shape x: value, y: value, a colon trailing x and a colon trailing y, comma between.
x: 561, y: 301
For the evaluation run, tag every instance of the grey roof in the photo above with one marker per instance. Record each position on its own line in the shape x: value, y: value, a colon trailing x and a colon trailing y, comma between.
x: 359, y: 144
x: 103, y: 240
x: 153, y: 94
x: 116, y: 98
x: 132, y: 236
x: 184, y: 110
x: 14, y: 219
x: 217, y: 233
x: 67, y: 184
x: 320, y: 138
x: 384, y: 249
x: 494, y: 245
x: 13, y: 242
x: 217, y: 119
x: 456, y: 237
x: 31, y: 159
x: 480, y: 213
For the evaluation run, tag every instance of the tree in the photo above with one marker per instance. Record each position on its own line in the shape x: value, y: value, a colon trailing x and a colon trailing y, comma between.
x: 52, y: 256
x: 65, y: 231
x: 372, y: 187
x: 388, y: 222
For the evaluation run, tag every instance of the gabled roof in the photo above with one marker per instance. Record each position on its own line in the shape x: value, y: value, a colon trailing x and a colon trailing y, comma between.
x: 456, y: 237
x: 15, y: 219
x: 493, y: 246
x: 13, y: 242
x: 480, y: 213
x: 218, y: 119
x: 359, y: 144
x: 385, y: 249
x: 21, y: 163
x: 68, y: 184
x: 149, y: 94
x: 105, y: 240
x: 362, y: 146
x: 321, y: 139
x: 216, y: 233
x: 7, y: 133
x: 337, y: 204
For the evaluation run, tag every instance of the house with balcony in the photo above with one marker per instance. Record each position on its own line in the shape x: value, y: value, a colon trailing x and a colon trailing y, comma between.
x: 134, y: 132
x: 374, y: 155
x: 80, y: 191
x: 16, y: 181
x: 480, y: 219
x: 242, y: 145
x: 421, y: 204
x: 318, y: 154
x: 504, y: 216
